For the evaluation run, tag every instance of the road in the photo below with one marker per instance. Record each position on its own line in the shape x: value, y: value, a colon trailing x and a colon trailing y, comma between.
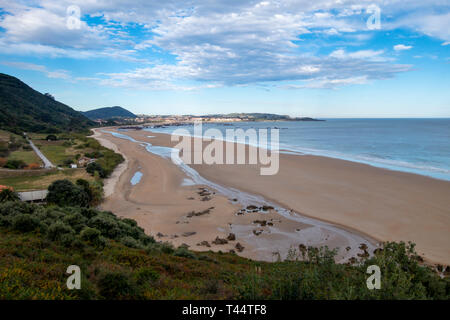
x: 47, y: 163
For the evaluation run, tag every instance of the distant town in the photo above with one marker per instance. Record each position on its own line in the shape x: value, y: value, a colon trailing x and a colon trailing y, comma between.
x: 141, y: 119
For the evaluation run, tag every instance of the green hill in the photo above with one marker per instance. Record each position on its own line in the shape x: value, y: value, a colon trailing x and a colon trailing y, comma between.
x: 109, y: 113
x: 23, y: 109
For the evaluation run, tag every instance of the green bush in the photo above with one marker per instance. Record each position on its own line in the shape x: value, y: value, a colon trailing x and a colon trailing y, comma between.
x: 25, y: 222
x: 15, y: 164
x: 56, y: 231
x: 8, y: 195
x: 65, y: 193
x: 51, y: 137
x: 183, y: 252
x: 90, y: 234
x: 146, y: 275
x: 115, y: 285
x: 94, y: 167
x: 130, y: 242
x: 76, y: 220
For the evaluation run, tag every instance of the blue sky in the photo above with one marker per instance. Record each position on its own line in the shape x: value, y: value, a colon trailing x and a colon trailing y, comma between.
x: 303, y: 58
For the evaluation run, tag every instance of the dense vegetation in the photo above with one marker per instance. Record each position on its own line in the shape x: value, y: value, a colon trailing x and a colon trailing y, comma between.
x: 118, y: 261
x: 109, y: 113
x: 16, y: 152
x: 23, y: 109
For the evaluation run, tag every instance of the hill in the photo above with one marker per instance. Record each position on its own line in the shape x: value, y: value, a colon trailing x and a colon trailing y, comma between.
x: 23, y: 109
x: 109, y: 113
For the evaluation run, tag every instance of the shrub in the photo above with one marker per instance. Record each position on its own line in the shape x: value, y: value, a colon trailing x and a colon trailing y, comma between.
x: 185, y: 253
x: 76, y: 220
x: 94, y: 167
x: 146, y: 274
x: 25, y: 222
x: 15, y: 164
x: 90, y: 234
x: 94, y: 154
x: 130, y: 242
x: 68, y: 239
x: 56, y: 231
x: 51, y: 137
x: 94, y: 190
x: 8, y: 195
x: 115, y: 285
x: 107, y: 225
x: 65, y: 193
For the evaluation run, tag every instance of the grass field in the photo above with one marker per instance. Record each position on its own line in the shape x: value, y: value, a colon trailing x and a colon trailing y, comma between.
x: 26, y: 156
x: 33, y: 181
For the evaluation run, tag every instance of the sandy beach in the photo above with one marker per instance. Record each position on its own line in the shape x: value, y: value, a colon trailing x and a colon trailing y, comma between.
x: 328, y: 202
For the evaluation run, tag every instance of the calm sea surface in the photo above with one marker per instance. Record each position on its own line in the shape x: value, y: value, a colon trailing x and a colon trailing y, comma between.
x: 419, y: 146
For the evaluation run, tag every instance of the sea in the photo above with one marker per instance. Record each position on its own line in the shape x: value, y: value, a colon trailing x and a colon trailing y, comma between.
x: 420, y: 146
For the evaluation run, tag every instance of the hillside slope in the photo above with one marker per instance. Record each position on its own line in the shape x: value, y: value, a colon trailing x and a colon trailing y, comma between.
x: 109, y: 113
x: 23, y: 109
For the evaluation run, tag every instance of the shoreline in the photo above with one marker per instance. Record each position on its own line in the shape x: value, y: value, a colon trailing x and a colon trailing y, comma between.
x: 110, y: 183
x: 229, y: 177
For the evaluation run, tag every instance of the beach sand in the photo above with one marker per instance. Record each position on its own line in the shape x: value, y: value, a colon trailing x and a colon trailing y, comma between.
x: 363, y: 203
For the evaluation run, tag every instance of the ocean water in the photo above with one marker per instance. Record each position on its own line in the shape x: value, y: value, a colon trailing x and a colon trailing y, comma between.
x: 420, y: 146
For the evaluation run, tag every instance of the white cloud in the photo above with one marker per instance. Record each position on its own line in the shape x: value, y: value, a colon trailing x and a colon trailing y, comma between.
x: 402, y: 47
x: 234, y: 42
x: 60, y: 74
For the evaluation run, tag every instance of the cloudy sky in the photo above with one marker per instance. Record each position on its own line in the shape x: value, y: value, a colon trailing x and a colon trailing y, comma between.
x: 317, y: 58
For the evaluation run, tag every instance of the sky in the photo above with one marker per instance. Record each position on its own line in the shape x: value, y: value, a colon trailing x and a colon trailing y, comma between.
x: 318, y: 58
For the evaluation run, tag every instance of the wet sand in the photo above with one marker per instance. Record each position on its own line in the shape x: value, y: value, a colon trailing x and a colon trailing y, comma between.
x: 379, y: 204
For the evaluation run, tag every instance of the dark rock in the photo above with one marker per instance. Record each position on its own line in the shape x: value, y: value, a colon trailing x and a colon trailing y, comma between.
x: 363, y: 246
x: 239, y: 247
x: 188, y: 234
x: 231, y: 237
x: 204, y: 243
x: 267, y: 208
x: 257, y: 232
x: 348, y: 248
x: 252, y: 207
x: 200, y: 213
x: 262, y: 223
x: 220, y: 241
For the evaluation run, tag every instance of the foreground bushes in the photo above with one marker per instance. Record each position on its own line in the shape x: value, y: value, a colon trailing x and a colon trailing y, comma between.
x: 70, y: 225
x: 82, y: 194
x: 118, y: 261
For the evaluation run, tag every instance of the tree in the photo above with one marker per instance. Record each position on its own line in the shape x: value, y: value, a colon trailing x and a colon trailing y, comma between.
x: 65, y: 193
x: 48, y: 95
x: 51, y: 137
x: 94, y: 190
x: 9, y: 194
x: 15, y: 164
x: 93, y: 167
